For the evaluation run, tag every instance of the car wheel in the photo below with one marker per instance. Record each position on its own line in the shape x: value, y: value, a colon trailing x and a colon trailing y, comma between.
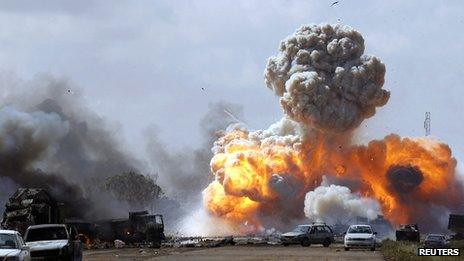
x: 305, y: 242
x: 326, y: 242
x: 285, y: 244
x: 347, y: 249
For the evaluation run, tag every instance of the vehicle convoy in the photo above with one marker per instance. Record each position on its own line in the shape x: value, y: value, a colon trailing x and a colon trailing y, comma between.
x: 317, y: 233
x: 12, y: 246
x: 53, y: 241
x: 436, y: 241
x: 409, y: 232
x: 360, y: 236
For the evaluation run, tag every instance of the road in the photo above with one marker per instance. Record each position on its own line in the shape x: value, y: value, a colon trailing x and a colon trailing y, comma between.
x: 236, y: 253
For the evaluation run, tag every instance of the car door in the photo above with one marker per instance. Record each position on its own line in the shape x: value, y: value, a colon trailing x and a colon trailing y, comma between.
x: 76, y: 244
x: 25, y: 253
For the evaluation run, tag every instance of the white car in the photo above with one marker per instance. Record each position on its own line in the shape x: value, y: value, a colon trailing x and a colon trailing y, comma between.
x: 360, y: 236
x: 12, y: 246
x: 53, y: 242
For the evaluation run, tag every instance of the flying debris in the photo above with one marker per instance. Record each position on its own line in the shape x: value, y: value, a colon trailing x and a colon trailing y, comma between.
x: 334, y: 3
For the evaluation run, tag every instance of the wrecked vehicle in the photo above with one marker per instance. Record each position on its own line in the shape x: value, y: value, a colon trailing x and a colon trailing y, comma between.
x: 317, y: 233
x: 31, y: 206
x: 456, y: 224
x: 141, y: 227
x: 408, y: 232
x: 53, y: 241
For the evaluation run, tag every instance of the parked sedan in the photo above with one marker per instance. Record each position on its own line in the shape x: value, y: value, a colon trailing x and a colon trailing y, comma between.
x: 360, y: 236
x: 316, y: 233
x: 12, y: 246
x: 436, y: 241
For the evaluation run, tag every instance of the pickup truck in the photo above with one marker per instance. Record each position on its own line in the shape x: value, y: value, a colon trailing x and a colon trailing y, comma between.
x: 53, y: 242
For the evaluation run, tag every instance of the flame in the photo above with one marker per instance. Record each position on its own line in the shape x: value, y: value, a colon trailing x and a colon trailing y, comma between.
x: 242, y: 192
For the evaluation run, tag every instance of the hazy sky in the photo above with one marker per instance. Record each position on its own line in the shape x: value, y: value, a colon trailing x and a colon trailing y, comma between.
x: 140, y: 63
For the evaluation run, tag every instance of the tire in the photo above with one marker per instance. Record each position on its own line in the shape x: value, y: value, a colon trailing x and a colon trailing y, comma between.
x: 285, y: 244
x: 347, y: 249
x: 327, y: 242
x: 305, y: 242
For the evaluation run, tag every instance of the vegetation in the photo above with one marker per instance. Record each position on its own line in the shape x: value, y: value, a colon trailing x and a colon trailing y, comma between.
x: 393, y: 250
x: 133, y: 188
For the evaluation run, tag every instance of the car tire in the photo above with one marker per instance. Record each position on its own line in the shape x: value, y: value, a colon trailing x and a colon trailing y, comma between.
x: 326, y: 242
x: 285, y: 244
x: 305, y: 242
x: 347, y: 249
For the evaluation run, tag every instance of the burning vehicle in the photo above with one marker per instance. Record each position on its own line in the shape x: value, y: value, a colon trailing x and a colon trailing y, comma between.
x: 309, y: 234
x: 31, y: 206
x: 409, y: 232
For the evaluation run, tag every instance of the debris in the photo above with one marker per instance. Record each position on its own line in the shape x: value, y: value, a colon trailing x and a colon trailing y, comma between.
x: 334, y: 3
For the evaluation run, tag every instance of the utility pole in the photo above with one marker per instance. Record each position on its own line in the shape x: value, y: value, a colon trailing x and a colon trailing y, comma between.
x: 427, y: 123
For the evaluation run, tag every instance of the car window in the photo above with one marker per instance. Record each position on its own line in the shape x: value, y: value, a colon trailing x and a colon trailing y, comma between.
x: 303, y: 229
x: 327, y: 229
x: 360, y: 230
x: 8, y: 241
x: 320, y: 229
x: 20, y: 240
x: 46, y: 233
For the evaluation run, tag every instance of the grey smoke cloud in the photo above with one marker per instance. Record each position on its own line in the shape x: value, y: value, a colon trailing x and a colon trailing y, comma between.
x: 324, y: 80
x: 338, y: 205
x: 49, y: 139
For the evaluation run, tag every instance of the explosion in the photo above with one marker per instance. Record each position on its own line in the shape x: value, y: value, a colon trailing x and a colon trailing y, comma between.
x: 327, y: 87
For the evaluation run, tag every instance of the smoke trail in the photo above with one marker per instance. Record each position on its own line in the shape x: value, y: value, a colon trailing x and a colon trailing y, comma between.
x: 324, y: 80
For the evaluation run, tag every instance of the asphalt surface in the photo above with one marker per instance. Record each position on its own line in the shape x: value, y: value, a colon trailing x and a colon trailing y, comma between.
x: 236, y: 253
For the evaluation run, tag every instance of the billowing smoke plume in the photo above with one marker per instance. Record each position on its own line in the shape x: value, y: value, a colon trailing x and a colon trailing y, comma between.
x: 324, y: 80
x: 327, y: 87
x: 338, y: 205
x: 49, y: 139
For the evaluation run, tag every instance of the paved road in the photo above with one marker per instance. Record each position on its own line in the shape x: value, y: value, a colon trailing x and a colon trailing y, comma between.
x: 237, y: 253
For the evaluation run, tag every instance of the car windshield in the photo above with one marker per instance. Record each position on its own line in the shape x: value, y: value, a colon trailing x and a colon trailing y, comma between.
x: 303, y: 229
x: 8, y: 241
x: 360, y: 230
x: 46, y: 233
x: 434, y: 238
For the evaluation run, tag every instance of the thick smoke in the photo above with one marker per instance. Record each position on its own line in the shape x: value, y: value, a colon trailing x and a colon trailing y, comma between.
x: 324, y: 80
x: 184, y: 174
x: 338, y: 205
x: 50, y: 139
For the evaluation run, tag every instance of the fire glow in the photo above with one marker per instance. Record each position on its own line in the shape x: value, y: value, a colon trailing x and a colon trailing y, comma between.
x: 327, y: 88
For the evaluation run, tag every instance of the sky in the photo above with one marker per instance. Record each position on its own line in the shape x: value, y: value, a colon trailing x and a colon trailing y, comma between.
x: 161, y: 63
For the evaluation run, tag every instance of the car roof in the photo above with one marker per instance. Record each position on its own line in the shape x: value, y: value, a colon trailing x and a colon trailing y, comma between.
x: 435, y: 235
x: 47, y: 225
x: 9, y: 232
x: 360, y: 225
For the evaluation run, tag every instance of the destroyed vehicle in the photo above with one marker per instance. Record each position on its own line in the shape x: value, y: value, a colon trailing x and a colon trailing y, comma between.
x: 31, y: 206
x: 409, y: 232
x: 456, y: 224
x: 360, y: 236
x: 12, y: 246
x: 317, y: 233
x: 141, y: 227
x: 53, y: 242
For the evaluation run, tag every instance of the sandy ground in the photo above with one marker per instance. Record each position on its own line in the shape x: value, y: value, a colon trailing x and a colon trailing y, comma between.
x: 236, y: 253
